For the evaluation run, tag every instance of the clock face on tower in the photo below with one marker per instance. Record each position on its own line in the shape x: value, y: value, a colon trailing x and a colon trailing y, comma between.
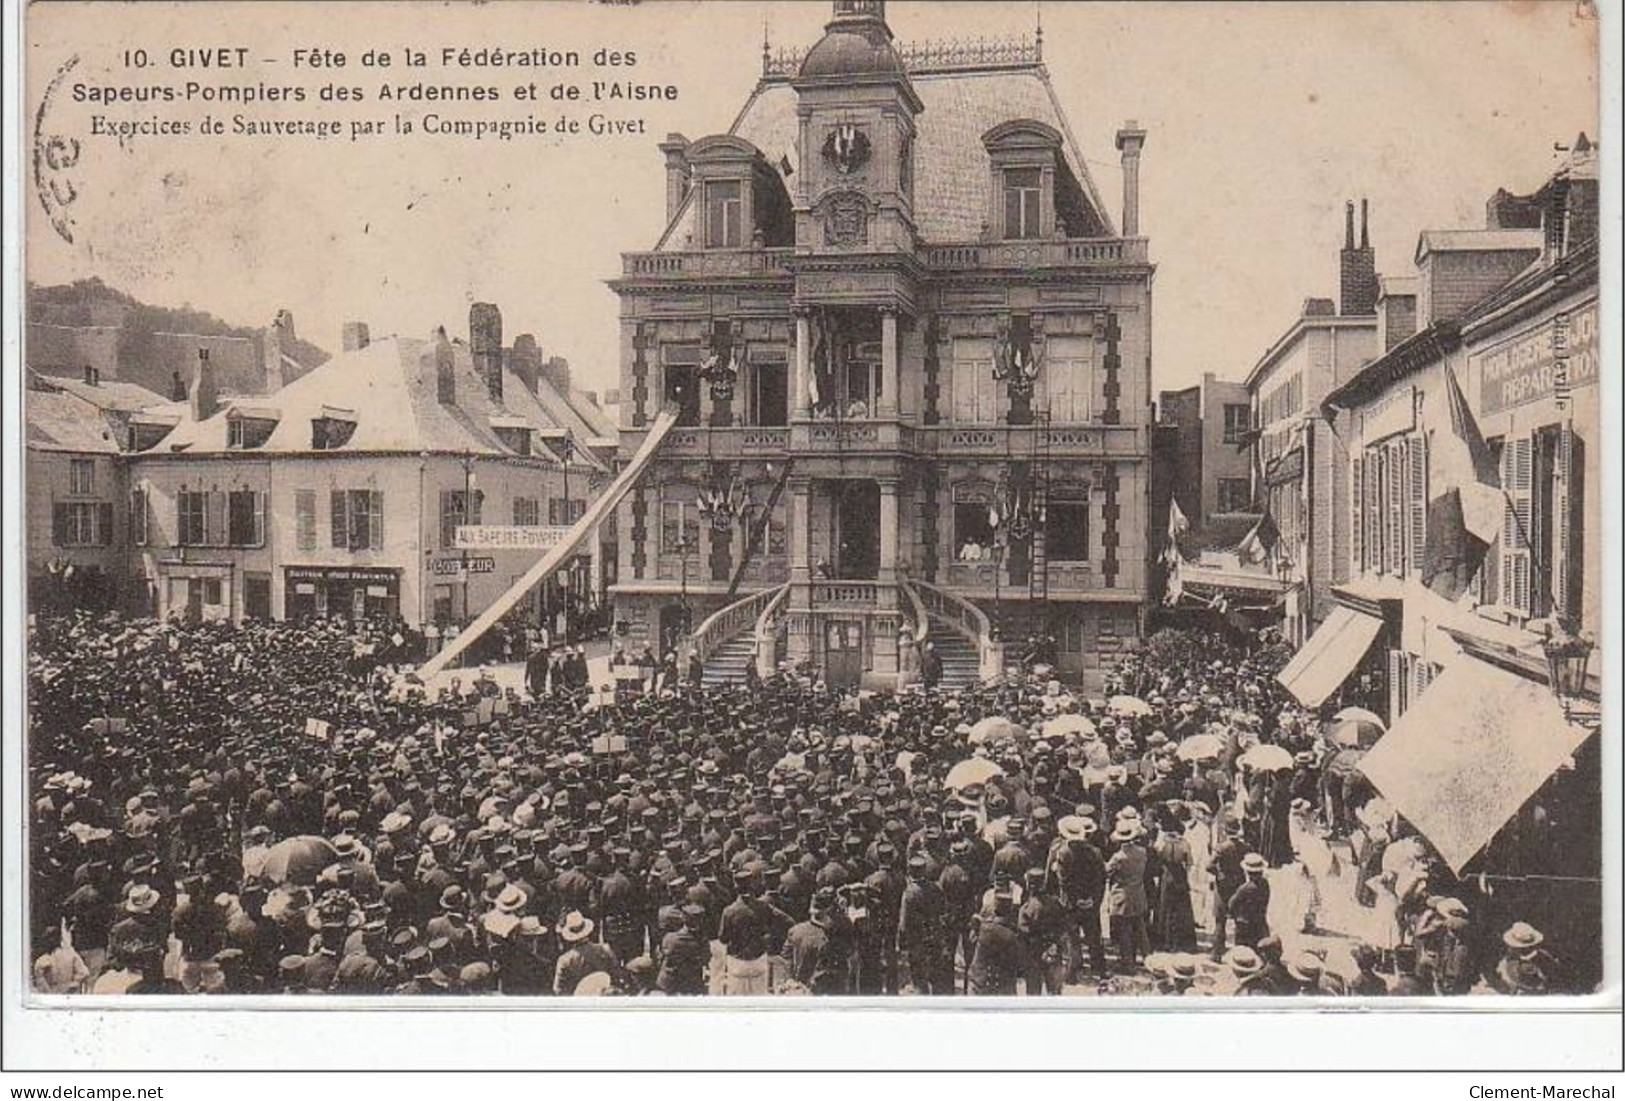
x: 846, y: 149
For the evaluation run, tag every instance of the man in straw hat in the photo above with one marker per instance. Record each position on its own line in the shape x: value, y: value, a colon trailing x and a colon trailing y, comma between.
x: 1249, y: 904
x: 1078, y: 873
x: 581, y: 956
x: 1526, y: 967
x: 1126, y: 902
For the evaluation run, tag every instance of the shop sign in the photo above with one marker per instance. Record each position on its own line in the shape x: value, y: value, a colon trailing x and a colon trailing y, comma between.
x: 453, y: 567
x: 515, y: 537
x: 341, y: 573
x: 1559, y: 356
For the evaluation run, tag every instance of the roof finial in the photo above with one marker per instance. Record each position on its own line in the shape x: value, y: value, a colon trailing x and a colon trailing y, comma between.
x: 1038, y: 36
x: 765, y: 50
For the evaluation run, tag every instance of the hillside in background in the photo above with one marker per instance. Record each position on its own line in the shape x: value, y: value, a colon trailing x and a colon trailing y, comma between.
x: 88, y: 323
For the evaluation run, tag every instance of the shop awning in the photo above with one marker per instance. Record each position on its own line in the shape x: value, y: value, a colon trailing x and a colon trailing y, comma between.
x: 1469, y: 753
x: 1330, y: 655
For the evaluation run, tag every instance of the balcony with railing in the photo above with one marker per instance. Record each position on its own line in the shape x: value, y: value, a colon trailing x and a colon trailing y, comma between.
x: 1025, y: 255
x: 707, y: 264
x: 735, y: 442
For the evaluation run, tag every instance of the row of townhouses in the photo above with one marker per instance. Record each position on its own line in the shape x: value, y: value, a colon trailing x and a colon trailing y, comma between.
x: 338, y: 493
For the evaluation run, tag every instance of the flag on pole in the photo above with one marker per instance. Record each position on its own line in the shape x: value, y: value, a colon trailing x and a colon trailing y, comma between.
x: 1176, y: 584
x: 1259, y: 543
x: 1463, y: 518
x: 1177, y: 525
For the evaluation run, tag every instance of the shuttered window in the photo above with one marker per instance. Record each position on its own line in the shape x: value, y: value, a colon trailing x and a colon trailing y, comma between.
x: 975, y: 390
x: 1373, y: 510
x: 304, y: 511
x: 219, y: 530
x: 1417, y: 499
x: 339, y: 506
x: 1066, y: 380
x: 246, y: 518
x: 1395, y: 505
x: 358, y: 519
x: 1397, y: 695
x: 1517, y: 478
x: 1357, y: 516
x: 191, y: 527
x: 1568, y: 559
x: 138, y: 517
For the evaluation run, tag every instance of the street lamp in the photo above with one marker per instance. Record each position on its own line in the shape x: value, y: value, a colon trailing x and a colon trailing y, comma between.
x: 470, y: 487
x: 1567, y: 657
x: 567, y: 452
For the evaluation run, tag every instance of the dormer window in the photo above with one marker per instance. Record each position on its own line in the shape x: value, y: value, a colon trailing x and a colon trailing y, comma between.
x: 1038, y: 194
x: 247, y: 429
x: 1023, y: 206
x: 724, y: 214
x: 332, y: 429
x: 513, y: 433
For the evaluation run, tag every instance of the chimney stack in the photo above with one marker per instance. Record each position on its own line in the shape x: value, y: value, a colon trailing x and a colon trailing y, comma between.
x: 356, y: 336
x: 485, y: 341
x: 1357, y: 266
x: 525, y: 357
x: 93, y: 377
x: 675, y: 147
x: 1130, y: 140
x: 205, y: 397
x: 276, y: 348
x: 557, y: 373
x: 445, y: 367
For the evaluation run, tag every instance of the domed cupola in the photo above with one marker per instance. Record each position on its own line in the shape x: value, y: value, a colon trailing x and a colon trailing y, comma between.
x: 856, y: 44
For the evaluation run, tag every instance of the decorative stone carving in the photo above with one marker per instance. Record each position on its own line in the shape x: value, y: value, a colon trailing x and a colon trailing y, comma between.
x: 846, y: 220
x: 847, y: 149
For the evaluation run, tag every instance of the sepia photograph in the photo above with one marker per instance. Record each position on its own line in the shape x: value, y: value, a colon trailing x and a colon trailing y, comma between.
x: 539, y: 500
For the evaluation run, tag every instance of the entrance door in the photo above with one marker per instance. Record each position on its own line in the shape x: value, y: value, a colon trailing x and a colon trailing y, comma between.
x: 857, y: 530
x: 358, y: 602
x: 675, y: 622
x: 194, y: 599
x: 257, y: 596
x: 843, y: 653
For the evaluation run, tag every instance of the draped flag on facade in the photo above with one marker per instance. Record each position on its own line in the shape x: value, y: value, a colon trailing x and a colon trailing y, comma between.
x: 1465, y: 514
x: 1177, y: 525
x: 1259, y: 543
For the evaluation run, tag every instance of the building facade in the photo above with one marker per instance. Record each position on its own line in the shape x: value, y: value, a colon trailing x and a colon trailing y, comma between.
x: 1297, y: 458
x: 343, y: 493
x: 1214, y: 467
x: 75, y: 490
x: 912, y: 354
x: 1507, y: 315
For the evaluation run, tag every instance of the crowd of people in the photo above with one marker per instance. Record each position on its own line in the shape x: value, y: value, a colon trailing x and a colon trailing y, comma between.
x: 273, y: 808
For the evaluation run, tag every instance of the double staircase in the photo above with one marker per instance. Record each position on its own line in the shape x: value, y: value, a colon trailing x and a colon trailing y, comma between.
x: 727, y: 663
x: 729, y: 641
x: 961, y: 667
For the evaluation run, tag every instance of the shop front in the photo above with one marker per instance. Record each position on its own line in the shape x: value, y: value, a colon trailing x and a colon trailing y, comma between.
x: 197, y: 592
x: 349, y: 592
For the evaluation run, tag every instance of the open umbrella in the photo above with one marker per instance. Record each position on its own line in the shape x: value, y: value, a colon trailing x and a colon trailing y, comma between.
x: 1068, y: 726
x: 1359, y: 714
x: 298, y: 860
x: 1355, y: 734
x: 1128, y: 705
x: 1267, y: 758
x: 994, y: 729
x: 976, y: 770
x: 1200, y: 747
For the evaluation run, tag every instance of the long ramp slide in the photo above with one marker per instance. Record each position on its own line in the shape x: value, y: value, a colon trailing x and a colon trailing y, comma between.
x: 563, y: 550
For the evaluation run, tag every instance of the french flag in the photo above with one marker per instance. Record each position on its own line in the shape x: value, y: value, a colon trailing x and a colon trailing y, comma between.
x: 1464, y: 516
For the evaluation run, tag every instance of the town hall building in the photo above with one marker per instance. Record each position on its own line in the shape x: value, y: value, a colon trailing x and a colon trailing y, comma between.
x: 910, y: 351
